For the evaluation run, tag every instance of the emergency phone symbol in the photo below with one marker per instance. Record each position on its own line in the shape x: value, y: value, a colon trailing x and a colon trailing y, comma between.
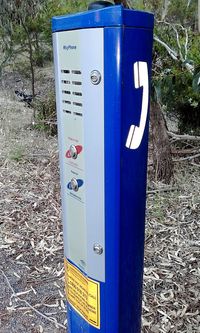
x: 141, y: 79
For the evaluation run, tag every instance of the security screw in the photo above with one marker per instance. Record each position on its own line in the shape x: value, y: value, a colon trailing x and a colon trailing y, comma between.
x: 95, y: 77
x: 73, y: 152
x: 74, y: 185
x: 98, y: 249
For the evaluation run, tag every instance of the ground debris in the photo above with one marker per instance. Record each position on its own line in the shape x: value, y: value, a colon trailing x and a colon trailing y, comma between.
x: 171, y: 301
x: 31, y: 240
x: 32, y: 295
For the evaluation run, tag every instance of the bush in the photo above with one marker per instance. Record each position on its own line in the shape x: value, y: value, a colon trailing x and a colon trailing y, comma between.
x: 181, y: 97
x: 46, y: 114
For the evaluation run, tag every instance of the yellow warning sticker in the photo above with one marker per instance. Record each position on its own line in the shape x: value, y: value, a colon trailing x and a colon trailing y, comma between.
x: 83, y: 294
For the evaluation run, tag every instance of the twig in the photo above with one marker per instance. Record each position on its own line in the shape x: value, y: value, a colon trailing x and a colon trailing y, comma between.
x: 174, y: 27
x: 171, y: 52
x: 174, y: 54
x: 185, y: 151
x: 184, y: 137
x: 14, y: 294
x: 167, y: 189
x: 187, y: 158
x: 46, y: 122
x: 186, y: 43
x: 8, y: 283
x: 195, y: 164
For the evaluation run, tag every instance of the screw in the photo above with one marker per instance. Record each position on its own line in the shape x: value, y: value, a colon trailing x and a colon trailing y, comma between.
x: 95, y: 77
x: 74, y: 184
x: 73, y: 152
x: 98, y: 249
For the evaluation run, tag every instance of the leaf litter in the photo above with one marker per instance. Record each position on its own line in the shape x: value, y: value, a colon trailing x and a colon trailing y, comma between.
x: 31, y: 241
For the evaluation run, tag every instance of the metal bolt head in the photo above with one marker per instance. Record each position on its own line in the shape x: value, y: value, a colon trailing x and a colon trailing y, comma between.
x: 95, y: 77
x: 98, y: 249
x: 74, y: 185
x: 73, y: 152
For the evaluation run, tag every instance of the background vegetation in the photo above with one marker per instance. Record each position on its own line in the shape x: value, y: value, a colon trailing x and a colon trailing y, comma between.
x: 31, y: 238
x: 26, y: 43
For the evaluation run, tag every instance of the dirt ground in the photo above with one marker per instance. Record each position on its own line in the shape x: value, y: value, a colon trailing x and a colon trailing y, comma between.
x: 31, y: 247
x: 31, y: 256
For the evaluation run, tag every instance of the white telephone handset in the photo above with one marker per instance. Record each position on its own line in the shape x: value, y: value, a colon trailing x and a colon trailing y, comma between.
x: 141, y: 79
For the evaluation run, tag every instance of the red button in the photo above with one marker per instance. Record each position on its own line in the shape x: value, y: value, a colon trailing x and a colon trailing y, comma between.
x: 78, y: 148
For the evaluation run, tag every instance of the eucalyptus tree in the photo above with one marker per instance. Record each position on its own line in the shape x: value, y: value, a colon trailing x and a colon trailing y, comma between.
x: 19, y: 30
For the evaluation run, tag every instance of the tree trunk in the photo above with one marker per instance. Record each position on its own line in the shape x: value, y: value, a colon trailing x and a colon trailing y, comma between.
x: 165, y: 9
x: 39, y: 59
x: 30, y: 57
x: 122, y: 2
x: 31, y: 67
x: 199, y: 16
x: 31, y: 60
x: 162, y: 155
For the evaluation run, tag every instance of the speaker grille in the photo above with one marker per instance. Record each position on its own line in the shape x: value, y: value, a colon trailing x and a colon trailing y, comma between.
x: 71, y: 85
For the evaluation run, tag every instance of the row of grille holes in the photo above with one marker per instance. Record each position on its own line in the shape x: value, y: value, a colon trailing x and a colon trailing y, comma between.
x: 76, y: 83
x: 76, y: 93
x: 67, y: 71
x: 74, y: 113
x: 74, y: 103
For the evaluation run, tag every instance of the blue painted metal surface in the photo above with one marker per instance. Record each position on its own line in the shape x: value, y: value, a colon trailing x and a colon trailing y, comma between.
x: 113, y: 101
x: 125, y: 169
x: 125, y: 178
x: 106, y: 17
x: 133, y: 183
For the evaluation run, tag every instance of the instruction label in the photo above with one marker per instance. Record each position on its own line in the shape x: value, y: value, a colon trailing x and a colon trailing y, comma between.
x: 83, y: 294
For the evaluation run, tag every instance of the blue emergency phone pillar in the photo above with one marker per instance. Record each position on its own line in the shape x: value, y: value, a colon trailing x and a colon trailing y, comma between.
x: 103, y: 68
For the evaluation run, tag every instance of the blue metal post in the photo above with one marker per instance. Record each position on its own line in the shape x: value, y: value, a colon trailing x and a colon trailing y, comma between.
x: 103, y: 69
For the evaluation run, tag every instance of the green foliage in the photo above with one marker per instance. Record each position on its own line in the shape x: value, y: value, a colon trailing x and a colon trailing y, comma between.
x: 194, y: 48
x: 16, y: 154
x: 178, y: 90
x: 31, y: 20
x: 176, y: 77
x: 56, y: 8
x: 180, y: 12
x: 139, y: 4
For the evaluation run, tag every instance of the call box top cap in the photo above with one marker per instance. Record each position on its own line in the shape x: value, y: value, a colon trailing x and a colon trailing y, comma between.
x: 113, y: 16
